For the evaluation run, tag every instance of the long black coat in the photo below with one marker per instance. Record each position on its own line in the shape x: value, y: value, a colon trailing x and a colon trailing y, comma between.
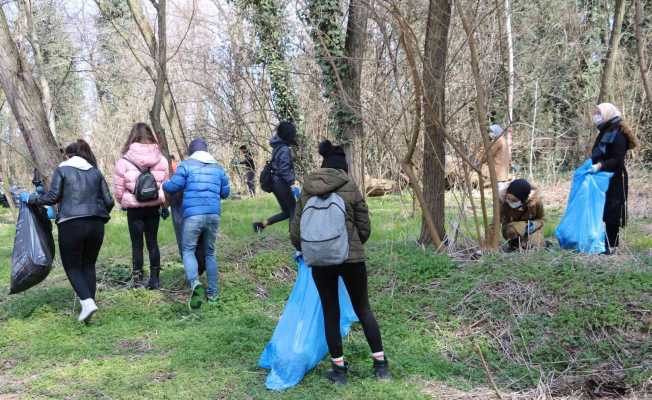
x: 612, y: 157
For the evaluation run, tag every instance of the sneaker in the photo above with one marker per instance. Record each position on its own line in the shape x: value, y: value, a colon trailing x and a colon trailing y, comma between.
x: 381, y: 370
x: 211, y: 301
x: 197, y: 297
x: 88, y: 308
x: 258, y: 227
x: 337, y: 374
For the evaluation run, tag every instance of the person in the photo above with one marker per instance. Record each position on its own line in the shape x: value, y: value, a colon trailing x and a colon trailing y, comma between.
x: 284, y: 177
x: 522, y: 216
x: 614, y: 139
x: 141, y: 153
x: 250, y: 169
x: 500, y: 154
x: 203, y: 183
x: 333, y: 178
x: 85, y: 204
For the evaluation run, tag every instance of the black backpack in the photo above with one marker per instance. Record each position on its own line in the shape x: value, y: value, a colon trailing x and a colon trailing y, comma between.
x: 146, y: 186
x: 267, y: 177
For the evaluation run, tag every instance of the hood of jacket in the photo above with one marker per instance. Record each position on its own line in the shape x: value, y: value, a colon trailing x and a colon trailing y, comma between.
x: 324, y: 181
x: 204, y: 157
x: 276, y: 141
x: 77, y: 162
x: 143, y: 155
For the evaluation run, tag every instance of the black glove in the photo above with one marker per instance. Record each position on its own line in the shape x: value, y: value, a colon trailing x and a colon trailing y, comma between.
x: 165, y: 213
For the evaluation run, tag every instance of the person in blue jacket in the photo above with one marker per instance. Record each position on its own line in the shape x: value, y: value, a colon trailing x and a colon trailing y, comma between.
x: 284, y: 188
x: 204, y: 183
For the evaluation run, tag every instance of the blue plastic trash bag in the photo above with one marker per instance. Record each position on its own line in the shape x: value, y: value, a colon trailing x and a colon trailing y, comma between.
x: 582, y: 228
x: 299, y: 341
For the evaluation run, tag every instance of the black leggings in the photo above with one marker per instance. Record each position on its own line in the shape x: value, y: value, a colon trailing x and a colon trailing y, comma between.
x: 612, y: 235
x: 286, y: 200
x: 144, y: 221
x: 80, y: 241
x: 355, y: 279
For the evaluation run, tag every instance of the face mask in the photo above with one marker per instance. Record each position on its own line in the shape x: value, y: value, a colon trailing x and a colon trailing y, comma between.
x: 597, y: 119
x: 516, y: 204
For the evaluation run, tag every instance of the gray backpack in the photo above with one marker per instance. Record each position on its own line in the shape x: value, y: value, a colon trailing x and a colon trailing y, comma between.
x: 324, y: 238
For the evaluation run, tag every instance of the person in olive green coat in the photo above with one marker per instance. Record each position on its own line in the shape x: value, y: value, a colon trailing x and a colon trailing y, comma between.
x: 333, y: 178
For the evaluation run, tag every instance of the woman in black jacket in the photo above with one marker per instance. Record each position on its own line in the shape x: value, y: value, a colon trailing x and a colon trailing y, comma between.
x: 608, y: 154
x: 85, y: 203
x: 283, y: 174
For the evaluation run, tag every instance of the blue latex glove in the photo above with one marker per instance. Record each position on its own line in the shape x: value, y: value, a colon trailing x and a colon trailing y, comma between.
x: 165, y: 213
x: 296, y: 191
x: 40, y: 189
x: 52, y: 214
x: 531, y: 227
x: 23, y: 197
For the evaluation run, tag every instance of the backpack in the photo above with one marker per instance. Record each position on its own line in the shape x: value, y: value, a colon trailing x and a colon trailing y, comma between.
x: 324, y: 238
x: 146, y: 188
x: 267, y: 178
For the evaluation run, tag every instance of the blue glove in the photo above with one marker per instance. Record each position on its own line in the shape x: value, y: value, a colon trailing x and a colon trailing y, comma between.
x: 40, y: 189
x: 52, y: 214
x: 531, y: 227
x: 23, y: 197
x: 296, y: 191
x: 165, y: 213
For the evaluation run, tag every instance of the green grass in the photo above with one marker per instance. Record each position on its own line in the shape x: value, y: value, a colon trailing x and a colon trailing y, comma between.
x: 545, y: 313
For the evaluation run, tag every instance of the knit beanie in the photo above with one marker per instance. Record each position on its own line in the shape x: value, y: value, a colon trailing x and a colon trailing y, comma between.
x: 197, y: 145
x: 334, y: 156
x: 287, y: 132
x: 521, y: 189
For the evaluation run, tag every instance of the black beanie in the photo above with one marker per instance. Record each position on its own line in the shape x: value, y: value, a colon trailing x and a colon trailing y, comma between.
x: 287, y: 132
x: 521, y: 189
x: 334, y: 156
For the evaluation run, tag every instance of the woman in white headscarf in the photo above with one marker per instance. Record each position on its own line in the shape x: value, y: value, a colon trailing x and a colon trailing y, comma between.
x: 608, y: 154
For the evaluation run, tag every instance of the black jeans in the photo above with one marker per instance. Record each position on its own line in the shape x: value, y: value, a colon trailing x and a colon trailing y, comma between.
x: 355, y: 279
x: 144, y: 221
x: 612, y: 235
x: 251, y: 182
x: 286, y: 200
x: 80, y: 241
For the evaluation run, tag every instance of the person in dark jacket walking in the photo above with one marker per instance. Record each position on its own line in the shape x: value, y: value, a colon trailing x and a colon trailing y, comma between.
x: 608, y: 154
x: 203, y: 183
x: 250, y: 169
x: 333, y: 178
x: 85, y: 204
x: 283, y: 174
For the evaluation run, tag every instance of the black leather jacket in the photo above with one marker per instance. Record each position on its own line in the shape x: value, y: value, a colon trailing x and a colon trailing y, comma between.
x: 79, y: 193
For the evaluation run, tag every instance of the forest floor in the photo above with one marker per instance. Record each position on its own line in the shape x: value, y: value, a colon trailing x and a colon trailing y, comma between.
x: 549, y: 323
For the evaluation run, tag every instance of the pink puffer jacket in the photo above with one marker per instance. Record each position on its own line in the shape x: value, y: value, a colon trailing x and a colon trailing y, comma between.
x: 125, y: 174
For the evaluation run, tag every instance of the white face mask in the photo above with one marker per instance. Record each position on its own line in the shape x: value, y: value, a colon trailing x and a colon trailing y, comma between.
x: 597, y: 119
x: 513, y: 204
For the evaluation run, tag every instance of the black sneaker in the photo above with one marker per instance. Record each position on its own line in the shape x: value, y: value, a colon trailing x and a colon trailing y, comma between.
x: 258, y: 227
x: 338, y: 373
x: 381, y: 370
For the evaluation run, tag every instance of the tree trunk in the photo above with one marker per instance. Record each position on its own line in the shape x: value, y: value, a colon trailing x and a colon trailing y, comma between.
x: 640, y: 47
x: 510, y: 63
x: 352, y: 128
x: 26, y: 101
x: 434, y: 81
x: 614, y: 40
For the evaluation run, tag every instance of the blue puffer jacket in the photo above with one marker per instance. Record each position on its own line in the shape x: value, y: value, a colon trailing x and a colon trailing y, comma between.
x: 203, y: 182
x: 282, y: 162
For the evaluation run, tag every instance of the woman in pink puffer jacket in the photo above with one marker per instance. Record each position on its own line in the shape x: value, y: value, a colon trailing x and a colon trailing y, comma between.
x: 142, y: 151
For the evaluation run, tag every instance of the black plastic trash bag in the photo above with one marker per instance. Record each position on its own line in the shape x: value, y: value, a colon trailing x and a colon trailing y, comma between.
x: 31, y: 260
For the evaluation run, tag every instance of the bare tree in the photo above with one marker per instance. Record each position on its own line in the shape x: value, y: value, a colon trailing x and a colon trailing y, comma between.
x: 26, y: 100
x: 434, y: 82
x: 640, y: 47
x: 610, y: 59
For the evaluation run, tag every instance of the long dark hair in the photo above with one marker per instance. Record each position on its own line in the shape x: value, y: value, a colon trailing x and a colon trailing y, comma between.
x: 140, y: 133
x: 81, y: 148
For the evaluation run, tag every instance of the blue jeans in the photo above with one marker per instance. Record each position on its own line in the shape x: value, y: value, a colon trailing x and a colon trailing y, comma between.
x: 193, y: 228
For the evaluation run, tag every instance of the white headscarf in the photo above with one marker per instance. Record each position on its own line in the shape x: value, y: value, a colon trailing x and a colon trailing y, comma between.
x: 609, y: 111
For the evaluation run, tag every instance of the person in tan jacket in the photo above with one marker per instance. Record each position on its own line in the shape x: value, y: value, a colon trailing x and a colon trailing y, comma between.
x: 522, y: 216
x: 332, y: 177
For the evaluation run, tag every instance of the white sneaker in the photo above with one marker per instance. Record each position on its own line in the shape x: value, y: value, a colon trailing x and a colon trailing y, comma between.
x: 88, y: 309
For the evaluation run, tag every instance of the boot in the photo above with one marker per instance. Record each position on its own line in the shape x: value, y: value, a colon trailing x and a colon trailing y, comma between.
x: 137, y: 278
x: 258, y: 227
x: 337, y: 374
x: 381, y: 370
x: 88, y: 308
x: 154, y: 283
